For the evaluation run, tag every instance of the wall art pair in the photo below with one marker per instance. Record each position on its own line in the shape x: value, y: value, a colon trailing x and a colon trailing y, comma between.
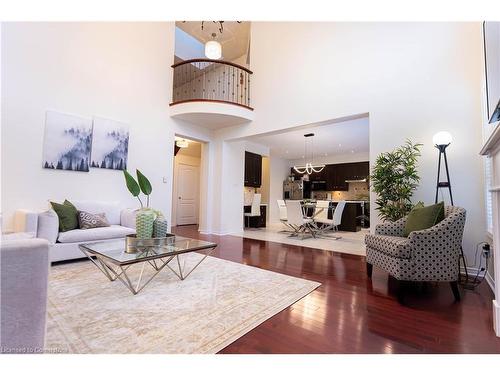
x: 74, y: 143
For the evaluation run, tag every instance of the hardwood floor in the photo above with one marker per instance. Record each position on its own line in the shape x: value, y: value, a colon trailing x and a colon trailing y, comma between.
x: 350, y: 313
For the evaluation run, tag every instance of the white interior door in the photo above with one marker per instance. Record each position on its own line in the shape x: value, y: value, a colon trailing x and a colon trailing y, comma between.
x: 187, y: 194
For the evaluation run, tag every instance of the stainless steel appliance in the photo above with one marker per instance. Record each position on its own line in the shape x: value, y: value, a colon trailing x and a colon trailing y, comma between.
x: 297, y: 189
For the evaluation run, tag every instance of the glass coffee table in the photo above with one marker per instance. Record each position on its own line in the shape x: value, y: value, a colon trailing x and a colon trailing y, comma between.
x: 110, y: 257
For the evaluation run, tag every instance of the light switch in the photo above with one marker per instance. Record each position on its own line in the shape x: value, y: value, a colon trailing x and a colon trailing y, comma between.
x: 164, y: 180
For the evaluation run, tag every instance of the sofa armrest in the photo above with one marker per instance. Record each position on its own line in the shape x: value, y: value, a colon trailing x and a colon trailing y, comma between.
x: 395, y: 228
x: 26, y: 221
x: 127, y: 217
x: 48, y: 226
x: 24, y: 279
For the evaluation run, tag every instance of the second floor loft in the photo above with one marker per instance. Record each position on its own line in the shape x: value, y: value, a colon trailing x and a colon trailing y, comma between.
x: 211, y: 81
x: 211, y: 73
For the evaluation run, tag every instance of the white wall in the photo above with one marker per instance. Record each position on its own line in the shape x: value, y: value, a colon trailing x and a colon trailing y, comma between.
x: 119, y: 71
x: 266, y: 183
x: 413, y: 79
x: 279, y: 169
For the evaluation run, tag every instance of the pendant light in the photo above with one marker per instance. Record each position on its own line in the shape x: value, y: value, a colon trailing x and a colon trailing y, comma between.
x: 309, y: 167
x: 213, y: 49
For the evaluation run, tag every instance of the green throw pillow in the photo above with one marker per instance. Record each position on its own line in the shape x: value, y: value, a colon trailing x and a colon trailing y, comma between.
x: 67, y: 214
x: 424, y: 217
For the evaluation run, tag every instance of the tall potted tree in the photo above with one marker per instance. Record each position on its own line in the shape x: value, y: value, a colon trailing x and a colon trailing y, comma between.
x: 394, y: 178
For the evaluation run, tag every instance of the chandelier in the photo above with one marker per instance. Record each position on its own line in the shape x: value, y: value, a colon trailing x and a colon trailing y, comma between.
x: 309, y: 167
x: 213, y: 49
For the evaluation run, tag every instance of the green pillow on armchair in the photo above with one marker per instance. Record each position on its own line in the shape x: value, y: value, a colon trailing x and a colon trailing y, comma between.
x: 423, y: 218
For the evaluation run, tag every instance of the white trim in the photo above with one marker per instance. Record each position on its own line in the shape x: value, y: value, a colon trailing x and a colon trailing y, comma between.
x: 490, y: 281
x: 219, y: 233
x: 496, y: 317
x: 473, y: 271
x: 493, y: 142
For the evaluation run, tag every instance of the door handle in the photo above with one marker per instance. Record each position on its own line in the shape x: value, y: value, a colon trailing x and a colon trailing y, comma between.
x: 180, y: 197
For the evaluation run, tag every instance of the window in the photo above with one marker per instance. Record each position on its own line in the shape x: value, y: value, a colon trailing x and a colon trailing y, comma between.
x: 488, y: 195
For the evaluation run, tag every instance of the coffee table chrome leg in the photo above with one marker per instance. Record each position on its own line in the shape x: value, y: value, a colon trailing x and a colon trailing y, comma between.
x: 180, y: 274
x: 124, y: 277
x: 112, y: 274
x: 103, y: 267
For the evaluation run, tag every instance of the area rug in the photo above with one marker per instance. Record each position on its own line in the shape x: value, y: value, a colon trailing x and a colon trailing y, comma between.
x: 218, y: 303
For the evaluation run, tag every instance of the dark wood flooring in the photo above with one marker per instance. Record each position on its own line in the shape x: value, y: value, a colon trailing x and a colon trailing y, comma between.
x: 350, y: 313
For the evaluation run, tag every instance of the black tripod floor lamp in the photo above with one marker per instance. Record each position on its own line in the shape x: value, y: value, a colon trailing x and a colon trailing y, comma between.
x: 442, y: 140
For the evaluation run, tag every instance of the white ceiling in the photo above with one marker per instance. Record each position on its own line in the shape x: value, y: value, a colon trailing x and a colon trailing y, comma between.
x: 234, y: 39
x: 339, y: 138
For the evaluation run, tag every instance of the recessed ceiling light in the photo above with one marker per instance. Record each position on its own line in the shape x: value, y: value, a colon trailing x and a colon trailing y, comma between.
x: 340, y: 144
x: 352, y: 151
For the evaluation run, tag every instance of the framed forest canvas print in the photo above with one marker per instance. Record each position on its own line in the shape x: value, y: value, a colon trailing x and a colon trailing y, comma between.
x: 67, y: 142
x: 110, y: 144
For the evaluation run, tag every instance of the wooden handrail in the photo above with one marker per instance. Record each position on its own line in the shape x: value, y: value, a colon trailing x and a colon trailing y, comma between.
x: 210, y: 101
x: 214, y: 62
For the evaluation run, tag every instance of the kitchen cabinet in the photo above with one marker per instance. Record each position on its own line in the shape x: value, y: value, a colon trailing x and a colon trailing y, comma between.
x: 336, y: 176
x: 315, y: 176
x: 318, y: 176
x: 356, y: 171
x: 253, y: 169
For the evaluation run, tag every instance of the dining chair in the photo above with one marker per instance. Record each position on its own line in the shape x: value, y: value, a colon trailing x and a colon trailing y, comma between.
x: 296, y: 219
x: 323, y: 223
x: 254, y: 210
x: 326, y: 224
x: 337, y: 216
x: 283, y: 215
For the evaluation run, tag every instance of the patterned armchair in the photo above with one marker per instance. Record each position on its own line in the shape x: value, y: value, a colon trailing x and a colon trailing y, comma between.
x: 427, y: 255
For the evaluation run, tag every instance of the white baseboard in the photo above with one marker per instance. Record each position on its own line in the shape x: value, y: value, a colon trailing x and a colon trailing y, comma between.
x: 490, y: 281
x: 496, y: 317
x: 473, y: 271
x: 219, y: 233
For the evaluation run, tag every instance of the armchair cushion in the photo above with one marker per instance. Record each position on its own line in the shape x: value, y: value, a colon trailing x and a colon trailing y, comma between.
x: 423, y: 217
x: 397, y: 247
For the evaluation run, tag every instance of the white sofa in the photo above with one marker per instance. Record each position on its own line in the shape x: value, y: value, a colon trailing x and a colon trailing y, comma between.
x: 23, y: 299
x: 64, y: 245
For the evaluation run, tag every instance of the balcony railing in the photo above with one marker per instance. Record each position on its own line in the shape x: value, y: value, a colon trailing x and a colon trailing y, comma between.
x: 211, y: 81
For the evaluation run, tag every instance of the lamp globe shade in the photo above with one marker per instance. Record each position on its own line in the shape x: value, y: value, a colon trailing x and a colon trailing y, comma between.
x: 213, y: 50
x: 442, y: 139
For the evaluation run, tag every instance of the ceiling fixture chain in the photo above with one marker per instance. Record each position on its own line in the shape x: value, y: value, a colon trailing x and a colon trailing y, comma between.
x: 309, y: 167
